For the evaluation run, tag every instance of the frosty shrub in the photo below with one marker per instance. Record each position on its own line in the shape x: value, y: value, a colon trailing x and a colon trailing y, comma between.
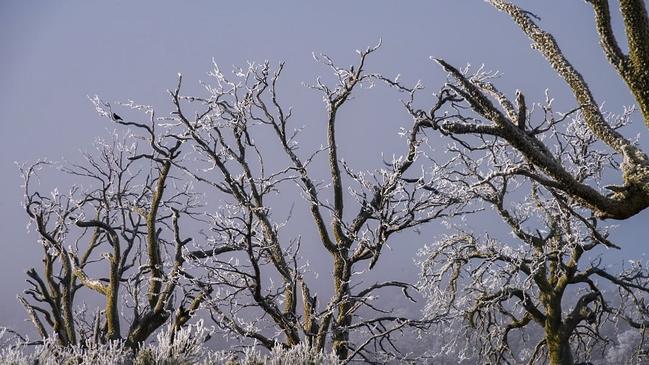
x: 50, y: 352
x: 184, y: 347
x: 300, y: 354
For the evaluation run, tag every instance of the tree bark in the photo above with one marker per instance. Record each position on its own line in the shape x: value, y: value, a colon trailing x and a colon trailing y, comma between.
x: 559, y: 351
x: 557, y: 336
x: 342, y: 275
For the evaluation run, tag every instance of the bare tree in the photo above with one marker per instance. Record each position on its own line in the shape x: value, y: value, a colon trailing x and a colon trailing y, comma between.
x: 550, y: 275
x: 494, y: 114
x: 563, y: 159
x: 233, y: 131
x: 124, y: 199
x: 237, y: 145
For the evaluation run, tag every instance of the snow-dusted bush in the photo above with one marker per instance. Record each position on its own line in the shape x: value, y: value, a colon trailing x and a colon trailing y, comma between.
x: 51, y: 353
x: 299, y: 354
x: 184, y: 347
x: 112, y: 352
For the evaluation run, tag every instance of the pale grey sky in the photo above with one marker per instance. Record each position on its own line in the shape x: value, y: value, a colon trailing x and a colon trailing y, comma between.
x: 53, y: 54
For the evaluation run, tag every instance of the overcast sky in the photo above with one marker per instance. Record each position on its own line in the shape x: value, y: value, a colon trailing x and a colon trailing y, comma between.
x: 54, y: 54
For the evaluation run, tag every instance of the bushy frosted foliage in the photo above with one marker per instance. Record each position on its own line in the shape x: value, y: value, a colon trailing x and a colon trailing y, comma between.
x: 51, y: 353
x: 184, y: 347
x: 113, y: 352
x: 299, y: 354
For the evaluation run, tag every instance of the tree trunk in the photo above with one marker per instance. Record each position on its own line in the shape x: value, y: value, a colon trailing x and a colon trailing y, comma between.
x: 559, y: 351
x: 340, y: 331
x: 143, y: 327
x: 557, y: 336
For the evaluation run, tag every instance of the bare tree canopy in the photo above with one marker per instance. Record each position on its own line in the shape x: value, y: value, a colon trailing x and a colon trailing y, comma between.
x: 494, y: 114
x: 248, y: 275
x: 186, y: 217
x: 122, y: 202
x: 550, y: 275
